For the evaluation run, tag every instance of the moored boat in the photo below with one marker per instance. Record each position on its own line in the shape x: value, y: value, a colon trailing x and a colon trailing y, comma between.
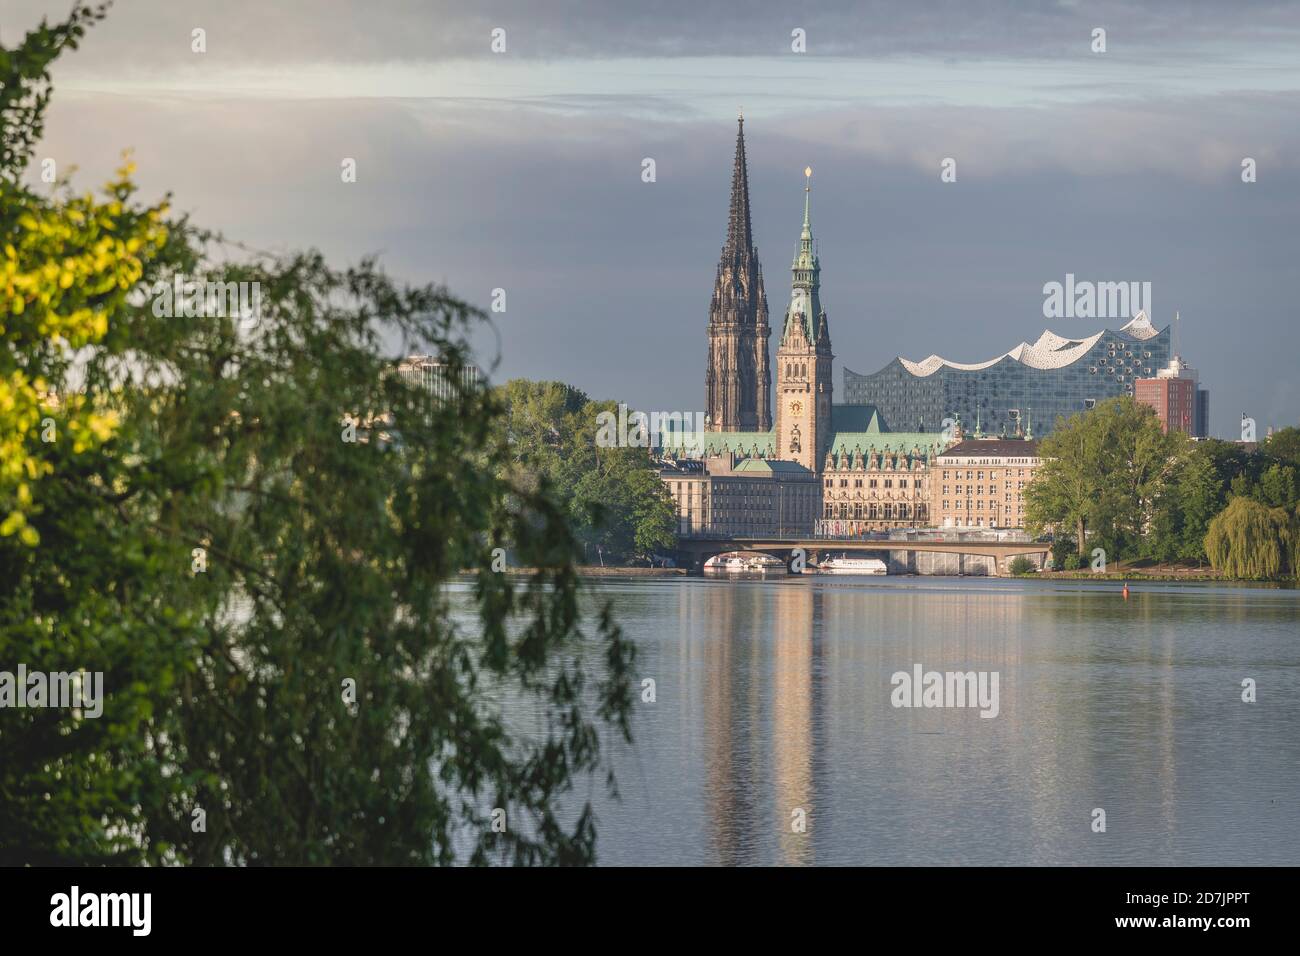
x: 744, y: 562
x: 847, y: 565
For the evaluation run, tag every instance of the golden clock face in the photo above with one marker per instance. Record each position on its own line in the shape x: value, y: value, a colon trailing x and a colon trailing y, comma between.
x: 796, y: 408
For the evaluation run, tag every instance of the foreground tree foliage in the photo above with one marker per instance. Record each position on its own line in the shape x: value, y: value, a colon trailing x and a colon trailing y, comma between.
x: 285, y: 681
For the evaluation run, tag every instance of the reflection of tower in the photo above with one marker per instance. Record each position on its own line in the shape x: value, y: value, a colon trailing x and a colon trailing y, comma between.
x: 803, y: 359
x: 792, y: 717
x: 726, y: 625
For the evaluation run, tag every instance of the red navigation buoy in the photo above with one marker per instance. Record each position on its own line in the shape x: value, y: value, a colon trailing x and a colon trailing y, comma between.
x: 1125, y: 590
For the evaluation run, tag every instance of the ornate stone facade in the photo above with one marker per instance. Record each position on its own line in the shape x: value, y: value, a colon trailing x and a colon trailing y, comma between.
x: 875, y: 491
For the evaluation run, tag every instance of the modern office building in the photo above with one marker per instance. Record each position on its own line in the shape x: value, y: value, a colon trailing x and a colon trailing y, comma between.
x: 1054, y: 377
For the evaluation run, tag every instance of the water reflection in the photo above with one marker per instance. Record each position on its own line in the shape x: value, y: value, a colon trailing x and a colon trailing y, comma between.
x: 775, y: 696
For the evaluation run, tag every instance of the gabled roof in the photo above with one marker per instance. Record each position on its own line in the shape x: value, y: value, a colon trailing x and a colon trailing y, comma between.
x: 770, y: 466
x: 856, y: 418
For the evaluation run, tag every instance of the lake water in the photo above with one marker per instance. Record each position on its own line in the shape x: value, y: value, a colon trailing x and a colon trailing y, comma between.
x: 773, y: 705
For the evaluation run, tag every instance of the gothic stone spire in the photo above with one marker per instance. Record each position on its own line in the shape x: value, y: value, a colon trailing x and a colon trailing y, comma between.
x: 738, y: 381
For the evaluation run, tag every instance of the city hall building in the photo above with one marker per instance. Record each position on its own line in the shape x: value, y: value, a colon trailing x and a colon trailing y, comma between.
x: 808, y: 465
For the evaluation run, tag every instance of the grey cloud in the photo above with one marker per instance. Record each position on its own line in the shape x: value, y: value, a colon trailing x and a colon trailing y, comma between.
x: 156, y: 32
x: 608, y: 278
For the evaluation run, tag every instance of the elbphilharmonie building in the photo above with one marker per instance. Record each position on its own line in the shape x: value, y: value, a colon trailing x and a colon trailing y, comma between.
x: 1026, y: 388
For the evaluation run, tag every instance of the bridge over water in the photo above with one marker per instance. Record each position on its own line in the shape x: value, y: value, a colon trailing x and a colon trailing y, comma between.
x: 1002, y: 553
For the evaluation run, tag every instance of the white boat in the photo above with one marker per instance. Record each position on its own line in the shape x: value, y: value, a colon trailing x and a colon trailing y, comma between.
x: 744, y: 562
x: 847, y: 565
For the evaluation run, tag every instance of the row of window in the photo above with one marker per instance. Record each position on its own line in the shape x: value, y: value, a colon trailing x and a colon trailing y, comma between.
x: 979, y: 489
x: 874, y: 512
x: 979, y: 475
x: 872, y: 482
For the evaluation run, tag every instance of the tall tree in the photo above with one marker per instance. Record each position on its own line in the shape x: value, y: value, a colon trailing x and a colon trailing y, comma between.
x: 1104, y: 472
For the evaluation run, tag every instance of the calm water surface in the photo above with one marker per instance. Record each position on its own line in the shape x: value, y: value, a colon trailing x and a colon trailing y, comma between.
x: 774, y: 696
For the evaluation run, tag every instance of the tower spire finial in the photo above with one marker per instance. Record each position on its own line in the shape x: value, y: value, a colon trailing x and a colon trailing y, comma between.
x: 739, y: 231
x: 807, y: 194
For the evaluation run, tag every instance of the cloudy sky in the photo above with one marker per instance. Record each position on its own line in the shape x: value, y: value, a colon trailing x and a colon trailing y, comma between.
x: 522, y: 169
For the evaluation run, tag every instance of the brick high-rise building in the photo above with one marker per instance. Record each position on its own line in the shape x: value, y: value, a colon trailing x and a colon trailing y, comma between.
x: 1178, y: 402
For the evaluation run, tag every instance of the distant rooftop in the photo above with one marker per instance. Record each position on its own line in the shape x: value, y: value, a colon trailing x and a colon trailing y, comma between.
x: 995, y: 448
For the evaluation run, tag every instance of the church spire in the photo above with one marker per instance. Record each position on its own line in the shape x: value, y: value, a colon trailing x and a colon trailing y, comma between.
x: 740, y: 235
x: 739, y: 380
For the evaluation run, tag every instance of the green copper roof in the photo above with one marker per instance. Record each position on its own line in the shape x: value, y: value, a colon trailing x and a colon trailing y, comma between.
x: 703, y: 444
x: 856, y: 418
x: 805, y: 288
x: 770, y: 467
x: 892, y: 442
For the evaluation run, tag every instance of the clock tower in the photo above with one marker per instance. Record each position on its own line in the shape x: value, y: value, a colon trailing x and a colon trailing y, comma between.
x: 803, y: 359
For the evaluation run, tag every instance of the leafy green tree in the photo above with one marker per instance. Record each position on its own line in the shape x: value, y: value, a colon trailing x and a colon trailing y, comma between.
x: 1283, y: 446
x: 1200, y: 495
x: 1252, y: 541
x: 1103, y: 475
x: 249, y: 528
x: 1277, y: 486
x: 617, y: 503
x: 1021, y: 565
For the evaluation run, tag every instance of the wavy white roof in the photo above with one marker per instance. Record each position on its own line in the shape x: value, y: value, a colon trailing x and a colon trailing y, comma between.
x: 1049, y: 352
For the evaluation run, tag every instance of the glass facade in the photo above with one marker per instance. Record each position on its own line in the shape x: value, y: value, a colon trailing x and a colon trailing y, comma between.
x: 1032, y: 385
